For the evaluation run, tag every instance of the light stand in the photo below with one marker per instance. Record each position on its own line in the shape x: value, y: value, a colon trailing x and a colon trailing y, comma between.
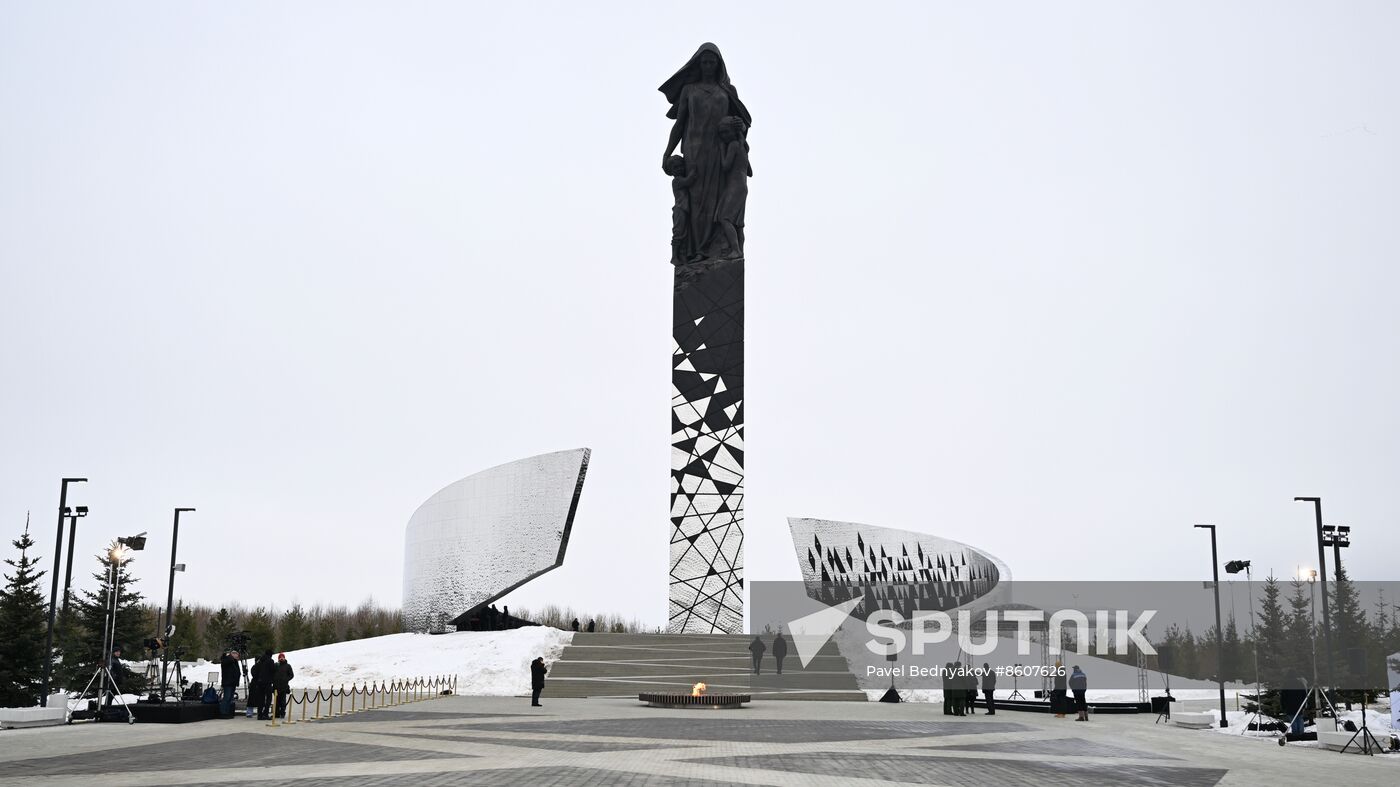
x: 1235, y: 567
x: 103, y: 677
x: 1369, y: 745
x: 1312, y: 687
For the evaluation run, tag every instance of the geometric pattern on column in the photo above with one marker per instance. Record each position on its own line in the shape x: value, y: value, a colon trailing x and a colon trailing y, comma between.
x: 707, y: 450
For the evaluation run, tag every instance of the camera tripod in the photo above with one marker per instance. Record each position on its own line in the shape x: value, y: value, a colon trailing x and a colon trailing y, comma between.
x: 1368, y: 745
x: 1016, y: 685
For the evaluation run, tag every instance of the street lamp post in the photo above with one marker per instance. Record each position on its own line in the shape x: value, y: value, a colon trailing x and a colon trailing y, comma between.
x: 1322, y: 577
x: 170, y: 596
x: 53, y: 591
x: 1219, y: 633
x: 73, y: 516
x: 1338, y: 536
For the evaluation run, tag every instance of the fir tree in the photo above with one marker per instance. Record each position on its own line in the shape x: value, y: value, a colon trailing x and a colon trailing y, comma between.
x: 325, y: 630
x: 217, y: 632
x: 294, y: 629
x: 1233, y: 658
x: 262, y: 636
x: 23, y: 619
x: 186, y: 638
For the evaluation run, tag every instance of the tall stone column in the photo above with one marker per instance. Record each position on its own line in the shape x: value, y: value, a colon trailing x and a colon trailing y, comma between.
x: 707, y: 450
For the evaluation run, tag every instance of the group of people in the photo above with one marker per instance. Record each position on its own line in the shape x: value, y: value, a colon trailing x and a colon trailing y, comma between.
x: 960, y: 689
x: 591, y: 626
x: 268, y: 681
x: 780, y: 649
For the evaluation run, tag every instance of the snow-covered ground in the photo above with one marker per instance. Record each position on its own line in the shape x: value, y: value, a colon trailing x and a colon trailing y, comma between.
x: 486, y: 663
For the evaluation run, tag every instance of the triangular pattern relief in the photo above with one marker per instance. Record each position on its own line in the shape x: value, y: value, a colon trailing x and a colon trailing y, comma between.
x: 707, y: 453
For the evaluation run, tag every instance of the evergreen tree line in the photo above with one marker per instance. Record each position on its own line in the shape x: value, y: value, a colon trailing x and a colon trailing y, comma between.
x: 200, y: 631
x: 563, y: 617
x: 206, y: 632
x: 1287, y: 639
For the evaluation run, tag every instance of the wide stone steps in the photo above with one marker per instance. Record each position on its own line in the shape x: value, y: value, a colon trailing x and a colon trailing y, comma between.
x: 623, y: 665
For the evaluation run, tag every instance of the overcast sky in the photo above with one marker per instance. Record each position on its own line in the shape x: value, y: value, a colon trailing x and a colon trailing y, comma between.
x: 1056, y: 280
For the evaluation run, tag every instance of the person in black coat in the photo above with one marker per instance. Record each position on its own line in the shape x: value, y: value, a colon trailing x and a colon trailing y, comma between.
x: 948, y: 701
x: 230, y: 672
x: 260, y: 686
x: 756, y: 649
x: 989, y: 687
x: 1058, y: 703
x: 282, y: 675
x: 537, y: 673
x: 779, y: 649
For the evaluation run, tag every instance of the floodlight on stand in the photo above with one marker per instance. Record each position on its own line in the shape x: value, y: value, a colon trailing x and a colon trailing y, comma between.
x: 1236, y: 566
x: 136, y: 543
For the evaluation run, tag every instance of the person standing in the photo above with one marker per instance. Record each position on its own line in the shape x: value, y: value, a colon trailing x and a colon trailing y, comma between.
x: 230, y: 673
x: 282, y: 675
x: 779, y: 649
x: 537, y: 673
x: 970, y: 681
x: 959, y: 689
x: 757, y: 648
x: 1079, y: 684
x: 1057, y: 697
x: 948, y: 689
x: 574, y: 625
x: 989, y: 687
x: 260, y: 686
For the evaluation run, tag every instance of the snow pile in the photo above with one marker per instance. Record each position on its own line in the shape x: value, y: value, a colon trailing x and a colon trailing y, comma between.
x: 487, y: 663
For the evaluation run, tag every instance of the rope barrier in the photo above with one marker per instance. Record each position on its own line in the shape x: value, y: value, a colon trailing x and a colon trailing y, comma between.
x: 367, y: 696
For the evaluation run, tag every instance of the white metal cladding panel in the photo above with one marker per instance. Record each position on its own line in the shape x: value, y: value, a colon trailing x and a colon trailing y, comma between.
x: 487, y: 533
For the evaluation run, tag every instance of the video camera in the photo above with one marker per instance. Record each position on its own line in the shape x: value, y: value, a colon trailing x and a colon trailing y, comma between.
x: 238, y: 640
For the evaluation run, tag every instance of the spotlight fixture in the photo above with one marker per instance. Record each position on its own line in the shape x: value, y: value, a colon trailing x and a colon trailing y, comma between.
x: 1236, y: 566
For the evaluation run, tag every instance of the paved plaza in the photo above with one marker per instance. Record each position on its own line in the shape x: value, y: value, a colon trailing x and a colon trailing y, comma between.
x: 603, y: 741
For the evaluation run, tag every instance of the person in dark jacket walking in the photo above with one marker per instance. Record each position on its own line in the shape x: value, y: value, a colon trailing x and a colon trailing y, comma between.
x: 260, y: 686
x: 1079, y: 684
x: 1058, y: 703
x: 989, y: 687
x: 282, y: 675
x: 757, y: 648
x: 779, y: 649
x: 537, y: 673
x: 230, y: 672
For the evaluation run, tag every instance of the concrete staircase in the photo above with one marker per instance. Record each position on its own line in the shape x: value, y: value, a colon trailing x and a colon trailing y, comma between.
x: 622, y: 665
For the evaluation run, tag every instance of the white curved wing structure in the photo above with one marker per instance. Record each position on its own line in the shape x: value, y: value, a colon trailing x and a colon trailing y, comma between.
x: 895, y: 569
x: 487, y: 534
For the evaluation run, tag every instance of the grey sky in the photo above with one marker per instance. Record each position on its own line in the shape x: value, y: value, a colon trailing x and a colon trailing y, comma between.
x: 1057, y: 280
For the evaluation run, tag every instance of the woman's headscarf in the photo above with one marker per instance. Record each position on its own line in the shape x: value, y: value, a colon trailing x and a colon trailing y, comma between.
x: 690, y: 72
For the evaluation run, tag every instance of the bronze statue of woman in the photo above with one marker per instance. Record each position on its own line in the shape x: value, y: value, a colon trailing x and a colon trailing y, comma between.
x: 701, y: 98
